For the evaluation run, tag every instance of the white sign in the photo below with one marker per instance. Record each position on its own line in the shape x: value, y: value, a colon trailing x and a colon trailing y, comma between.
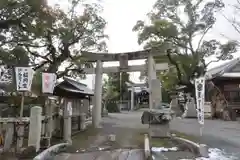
x: 48, y: 82
x: 69, y: 108
x: 200, y: 98
x: 24, y: 76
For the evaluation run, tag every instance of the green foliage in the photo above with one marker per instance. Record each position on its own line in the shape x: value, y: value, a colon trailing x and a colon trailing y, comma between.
x: 109, y: 91
x: 35, y: 34
x: 165, y: 97
x: 178, y: 28
x: 115, y: 89
x: 119, y: 81
x: 112, y: 107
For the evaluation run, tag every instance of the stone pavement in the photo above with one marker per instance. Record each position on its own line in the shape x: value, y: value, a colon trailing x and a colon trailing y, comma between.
x: 129, y: 140
x: 224, y: 135
x: 128, y: 144
x: 119, y: 154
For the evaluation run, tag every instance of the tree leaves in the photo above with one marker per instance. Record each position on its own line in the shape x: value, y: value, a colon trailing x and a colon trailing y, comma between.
x: 173, y: 29
x: 109, y: 90
x: 50, y: 36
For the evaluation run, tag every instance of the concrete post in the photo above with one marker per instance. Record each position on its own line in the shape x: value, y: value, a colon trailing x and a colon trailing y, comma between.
x: 67, y: 116
x: 203, y: 150
x: 83, y: 120
x: 8, y: 137
x: 150, y: 77
x: 154, y: 76
x: 97, y: 108
x: 49, y: 121
x: 132, y: 98
x: 35, y: 127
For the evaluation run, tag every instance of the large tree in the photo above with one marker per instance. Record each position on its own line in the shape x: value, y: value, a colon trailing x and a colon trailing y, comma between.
x: 178, y: 28
x: 36, y: 34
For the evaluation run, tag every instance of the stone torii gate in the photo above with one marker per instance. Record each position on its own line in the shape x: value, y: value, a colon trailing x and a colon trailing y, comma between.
x: 123, y: 58
x: 132, y: 89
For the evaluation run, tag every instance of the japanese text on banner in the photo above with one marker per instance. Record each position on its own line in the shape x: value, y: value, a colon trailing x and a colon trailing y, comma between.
x: 24, y: 76
x: 200, y: 98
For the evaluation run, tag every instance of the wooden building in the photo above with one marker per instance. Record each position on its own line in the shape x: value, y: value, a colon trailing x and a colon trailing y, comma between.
x: 223, y: 89
x: 79, y: 96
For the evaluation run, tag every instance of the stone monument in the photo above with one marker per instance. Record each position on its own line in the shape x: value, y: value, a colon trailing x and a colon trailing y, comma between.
x: 159, y: 126
x: 158, y: 120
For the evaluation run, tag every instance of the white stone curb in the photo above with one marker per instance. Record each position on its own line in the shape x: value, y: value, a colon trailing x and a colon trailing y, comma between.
x: 147, y: 151
x: 51, y: 151
x: 201, y: 149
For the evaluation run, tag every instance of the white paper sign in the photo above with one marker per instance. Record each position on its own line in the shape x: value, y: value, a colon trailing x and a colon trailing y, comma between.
x: 48, y: 82
x: 24, y: 76
x: 69, y: 108
x: 200, y: 98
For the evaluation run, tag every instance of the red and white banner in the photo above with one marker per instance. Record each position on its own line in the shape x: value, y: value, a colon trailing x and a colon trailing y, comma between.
x: 48, y: 82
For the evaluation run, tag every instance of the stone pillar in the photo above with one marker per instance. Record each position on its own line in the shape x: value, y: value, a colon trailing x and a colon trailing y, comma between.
x: 150, y: 77
x: 8, y: 137
x: 156, y: 92
x: 67, y: 116
x: 85, y: 106
x: 83, y: 121
x: 132, y: 98
x: 35, y: 127
x: 49, y: 125
x: 97, y: 108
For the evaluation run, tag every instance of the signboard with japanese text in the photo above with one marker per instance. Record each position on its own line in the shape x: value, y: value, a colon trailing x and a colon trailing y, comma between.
x: 24, y: 76
x: 48, y: 82
x: 200, y: 98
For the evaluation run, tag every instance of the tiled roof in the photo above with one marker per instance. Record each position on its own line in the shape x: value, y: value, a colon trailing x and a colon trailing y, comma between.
x: 78, y: 87
x: 222, y: 70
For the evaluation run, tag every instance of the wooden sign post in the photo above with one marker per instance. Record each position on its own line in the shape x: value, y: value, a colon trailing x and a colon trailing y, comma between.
x: 24, y: 76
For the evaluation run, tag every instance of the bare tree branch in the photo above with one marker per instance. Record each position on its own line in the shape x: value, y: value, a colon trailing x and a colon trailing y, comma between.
x: 234, y: 26
x: 35, y: 54
x: 203, y: 35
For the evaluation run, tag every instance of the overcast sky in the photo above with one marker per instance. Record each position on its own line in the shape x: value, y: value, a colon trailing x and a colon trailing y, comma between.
x: 121, y: 16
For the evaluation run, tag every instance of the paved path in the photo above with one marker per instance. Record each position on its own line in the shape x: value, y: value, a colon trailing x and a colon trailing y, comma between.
x: 216, y: 134
x: 224, y: 135
x: 128, y: 138
x: 120, y: 154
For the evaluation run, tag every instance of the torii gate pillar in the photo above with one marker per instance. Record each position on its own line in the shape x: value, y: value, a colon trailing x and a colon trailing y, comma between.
x: 151, y: 76
x: 97, y: 103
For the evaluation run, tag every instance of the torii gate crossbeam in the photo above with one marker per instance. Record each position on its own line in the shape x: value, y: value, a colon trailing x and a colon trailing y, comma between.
x: 99, y: 58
